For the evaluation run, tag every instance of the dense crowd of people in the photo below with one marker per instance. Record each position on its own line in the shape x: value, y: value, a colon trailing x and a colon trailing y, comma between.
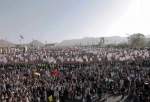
x: 74, y: 74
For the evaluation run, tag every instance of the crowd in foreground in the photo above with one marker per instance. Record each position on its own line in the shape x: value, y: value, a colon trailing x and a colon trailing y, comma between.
x: 75, y: 74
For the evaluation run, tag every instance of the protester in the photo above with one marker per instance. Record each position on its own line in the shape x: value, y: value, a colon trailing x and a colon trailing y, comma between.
x: 74, y: 74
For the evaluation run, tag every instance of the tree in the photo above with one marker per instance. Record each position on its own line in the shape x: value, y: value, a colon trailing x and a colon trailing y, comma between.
x: 122, y: 45
x: 101, y: 42
x: 136, y: 40
x: 148, y: 44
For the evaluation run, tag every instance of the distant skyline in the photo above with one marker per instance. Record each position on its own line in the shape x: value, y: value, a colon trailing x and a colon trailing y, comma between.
x: 57, y: 20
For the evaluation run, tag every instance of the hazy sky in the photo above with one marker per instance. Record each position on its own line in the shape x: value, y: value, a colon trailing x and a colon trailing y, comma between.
x: 57, y: 20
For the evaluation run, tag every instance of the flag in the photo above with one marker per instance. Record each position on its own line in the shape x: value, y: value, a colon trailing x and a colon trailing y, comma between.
x: 36, y: 73
x: 21, y: 37
x: 50, y: 98
x: 55, y: 73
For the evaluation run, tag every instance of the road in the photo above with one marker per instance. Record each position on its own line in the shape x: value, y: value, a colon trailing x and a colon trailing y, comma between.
x: 115, y: 99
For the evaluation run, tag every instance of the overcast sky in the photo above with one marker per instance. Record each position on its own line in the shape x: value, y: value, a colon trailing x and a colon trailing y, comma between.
x: 57, y: 20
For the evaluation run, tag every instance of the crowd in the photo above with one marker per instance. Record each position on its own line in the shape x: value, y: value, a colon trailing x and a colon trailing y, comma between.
x: 74, y: 74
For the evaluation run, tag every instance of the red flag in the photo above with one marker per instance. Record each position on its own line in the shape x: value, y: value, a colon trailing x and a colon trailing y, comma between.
x: 55, y: 73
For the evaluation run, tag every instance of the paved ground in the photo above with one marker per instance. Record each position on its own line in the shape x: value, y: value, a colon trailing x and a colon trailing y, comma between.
x: 109, y: 99
x: 115, y: 99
